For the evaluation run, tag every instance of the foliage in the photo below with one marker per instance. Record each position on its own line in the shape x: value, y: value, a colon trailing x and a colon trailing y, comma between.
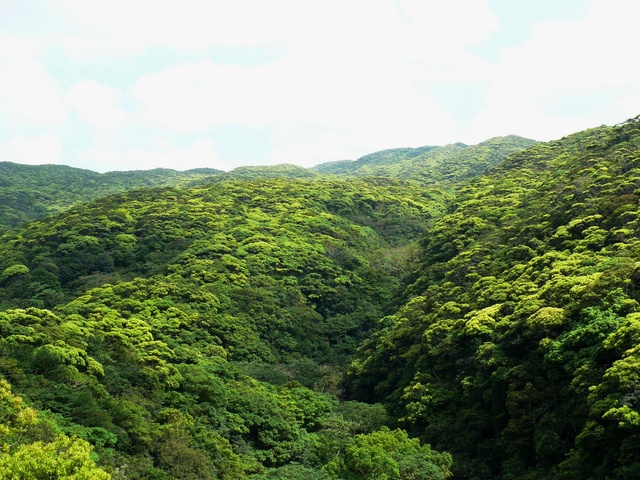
x: 63, y: 458
x: 137, y: 321
x: 268, y: 171
x: 430, y: 165
x: 29, y: 452
x: 28, y: 192
x: 389, y: 455
x: 516, y: 351
x: 202, y: 330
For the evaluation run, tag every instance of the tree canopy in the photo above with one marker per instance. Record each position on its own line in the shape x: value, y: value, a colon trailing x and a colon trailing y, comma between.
x: 455, y: 312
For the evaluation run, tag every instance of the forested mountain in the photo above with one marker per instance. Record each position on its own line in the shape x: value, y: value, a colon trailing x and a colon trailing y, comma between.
x: 28, y: 192
x: 279, y: 323
x: 430, y: 165
x: 518, y: 349
x: 143, y: 323
x: 269, y: 171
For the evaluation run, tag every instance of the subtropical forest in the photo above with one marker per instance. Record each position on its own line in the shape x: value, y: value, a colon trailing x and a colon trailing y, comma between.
x: 457, y: 312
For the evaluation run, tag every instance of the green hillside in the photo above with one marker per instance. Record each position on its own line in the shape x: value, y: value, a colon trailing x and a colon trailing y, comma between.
x: 144, y: 324
x: 430, y: 165
x: 345, y: 322
x: 517, y: 347
x: 373, y: 160
x: 28, y: 192
x: 268, y: 171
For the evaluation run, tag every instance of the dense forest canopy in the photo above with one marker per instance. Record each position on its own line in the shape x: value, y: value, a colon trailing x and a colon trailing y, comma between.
x: 445, y: 312
x: 28, y: 192
x: 430, y: 165
x: 518, y: 349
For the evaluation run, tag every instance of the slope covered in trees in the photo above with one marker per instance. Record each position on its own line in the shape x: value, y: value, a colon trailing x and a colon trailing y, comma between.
x: 269, y: 171
x: 28, y: 192
x: 518, y: 348
x: 430, y: 165
x: 199, y: 333
x: 318, y: 328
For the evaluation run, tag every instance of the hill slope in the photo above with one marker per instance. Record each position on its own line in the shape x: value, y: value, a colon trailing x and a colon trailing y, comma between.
x: 268, y: 171
x: 145, y: 322
x: 28, y: 192
x: 202, y: 332
x: 429, y: 165
x: 517, y: 350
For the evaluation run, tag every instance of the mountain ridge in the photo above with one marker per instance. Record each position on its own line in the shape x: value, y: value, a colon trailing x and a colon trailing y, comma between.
x: 430, y: 164
x: 34, y: 191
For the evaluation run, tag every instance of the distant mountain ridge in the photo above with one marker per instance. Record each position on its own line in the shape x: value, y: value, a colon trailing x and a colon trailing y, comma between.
x: 28, y: 192
x: 284, y: 170
x: 430, y: 164
x: 382, y: 157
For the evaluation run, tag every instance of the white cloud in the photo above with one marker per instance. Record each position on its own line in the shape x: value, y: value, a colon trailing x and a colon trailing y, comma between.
x: 349, y: 79
x: 345, y: 78
x: 122, y: 26
x: 326, y: 114
x: 97, y: 104
x: 197, y: 96
x: 588, y: 63
x: 348, y: 84
x: 14, y: 47
x: 200, y: 154
x: 29, y: 92
x: 452, y: 24
x: 125, y: 27
x: 43, y: 149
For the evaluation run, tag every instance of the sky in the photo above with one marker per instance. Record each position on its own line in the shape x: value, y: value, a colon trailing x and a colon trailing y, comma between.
x: 139, y: 84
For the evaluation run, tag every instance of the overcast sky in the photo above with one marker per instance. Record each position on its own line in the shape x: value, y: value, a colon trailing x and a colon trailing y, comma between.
x: 137, y: 84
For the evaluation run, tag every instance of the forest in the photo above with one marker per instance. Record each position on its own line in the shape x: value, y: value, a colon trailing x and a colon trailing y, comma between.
x: 457, y: 312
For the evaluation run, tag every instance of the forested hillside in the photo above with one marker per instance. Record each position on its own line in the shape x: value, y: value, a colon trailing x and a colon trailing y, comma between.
x: 144, y: 323
x: 268, y: 171
x: 479, y: 321
x: 430, y: 165
x: 518, y: 350
x: 28, y: 192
